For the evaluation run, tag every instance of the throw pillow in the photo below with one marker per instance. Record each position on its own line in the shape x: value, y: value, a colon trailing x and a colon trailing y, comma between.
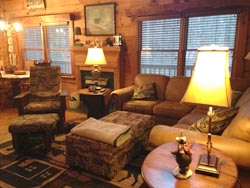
x: 220, y: 121
x: 145, y: 91
x: 235, y: 97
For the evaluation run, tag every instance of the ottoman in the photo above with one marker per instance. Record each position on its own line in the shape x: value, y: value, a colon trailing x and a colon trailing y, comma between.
x: 29, y: 125
x: 104, y: 159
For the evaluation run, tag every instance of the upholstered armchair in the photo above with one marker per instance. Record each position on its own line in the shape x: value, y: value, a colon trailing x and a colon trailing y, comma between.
x: 45, y: 94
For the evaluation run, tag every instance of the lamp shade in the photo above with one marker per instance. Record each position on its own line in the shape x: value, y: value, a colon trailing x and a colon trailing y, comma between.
x: 210, y: 82
x: 95, y: 56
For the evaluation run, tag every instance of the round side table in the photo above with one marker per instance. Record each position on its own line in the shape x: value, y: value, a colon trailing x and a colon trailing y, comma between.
x: 158, y: 166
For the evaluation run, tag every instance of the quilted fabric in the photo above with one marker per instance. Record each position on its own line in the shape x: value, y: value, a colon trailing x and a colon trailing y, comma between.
x: 34, y: 123
x: 105, y: 159
x: 145, y: 91
x: 220, y: 121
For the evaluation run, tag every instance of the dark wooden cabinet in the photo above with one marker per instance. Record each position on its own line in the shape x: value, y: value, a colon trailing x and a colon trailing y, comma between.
x: 97, y: 102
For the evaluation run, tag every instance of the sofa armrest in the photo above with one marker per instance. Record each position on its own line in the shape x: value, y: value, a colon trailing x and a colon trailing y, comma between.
x: 119, y: 96
x: 238, y: 150
x: 21, y: 100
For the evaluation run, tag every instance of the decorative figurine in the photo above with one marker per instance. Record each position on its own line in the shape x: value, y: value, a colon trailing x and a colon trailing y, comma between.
x: 183, y: 158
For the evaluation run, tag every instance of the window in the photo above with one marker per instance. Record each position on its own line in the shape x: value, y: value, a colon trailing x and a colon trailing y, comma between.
x: 207, y: 30
x: 55, y: 47
x: 159, y: 46
x: 33, y: 43
x: 161, y: 41
x: 58, y: 47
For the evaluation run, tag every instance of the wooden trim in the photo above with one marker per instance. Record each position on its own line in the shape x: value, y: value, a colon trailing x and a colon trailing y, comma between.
x: 240, y: 45
x: 34, y: 20
x: 204, y: 5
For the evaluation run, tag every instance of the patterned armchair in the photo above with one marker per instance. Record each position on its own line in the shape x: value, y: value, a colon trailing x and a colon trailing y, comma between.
x: 45, y: 95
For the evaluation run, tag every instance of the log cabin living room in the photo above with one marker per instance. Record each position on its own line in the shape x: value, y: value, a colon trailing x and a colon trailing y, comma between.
x: 123, y: 93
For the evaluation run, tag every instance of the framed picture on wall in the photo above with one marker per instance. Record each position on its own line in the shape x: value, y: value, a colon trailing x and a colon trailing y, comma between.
x: 100, y: 19
x: 33, y: 5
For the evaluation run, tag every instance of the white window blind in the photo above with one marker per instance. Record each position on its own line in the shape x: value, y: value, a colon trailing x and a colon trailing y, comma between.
x: 159, y: 41
x: 207, y: 30
x: 33, y: 43
x: 59, y: 47
x: 159, y: 46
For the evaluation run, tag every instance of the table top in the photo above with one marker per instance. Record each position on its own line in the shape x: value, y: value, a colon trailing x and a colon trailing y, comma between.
x: 14, y: 76
x: 158, y: 166
x: 86, y: 91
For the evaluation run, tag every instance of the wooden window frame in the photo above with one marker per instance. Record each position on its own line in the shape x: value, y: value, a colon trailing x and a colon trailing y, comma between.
x: 240, y: 37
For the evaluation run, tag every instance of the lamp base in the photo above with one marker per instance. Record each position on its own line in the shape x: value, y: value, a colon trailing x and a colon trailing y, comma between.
x: 208, y: 165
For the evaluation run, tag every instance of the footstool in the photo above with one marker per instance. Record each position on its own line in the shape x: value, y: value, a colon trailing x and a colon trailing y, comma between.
x: 104, y: 159
x: 33, y: 124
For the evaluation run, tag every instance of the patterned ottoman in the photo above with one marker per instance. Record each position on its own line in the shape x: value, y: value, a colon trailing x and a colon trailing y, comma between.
x: 28, y: 125
x: 104, y: 159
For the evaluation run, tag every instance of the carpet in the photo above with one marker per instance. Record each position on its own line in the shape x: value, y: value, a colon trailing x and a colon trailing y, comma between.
x: 49, y: 170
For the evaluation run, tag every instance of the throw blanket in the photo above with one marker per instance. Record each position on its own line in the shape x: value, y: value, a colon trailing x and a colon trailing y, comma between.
x: 110, y: 133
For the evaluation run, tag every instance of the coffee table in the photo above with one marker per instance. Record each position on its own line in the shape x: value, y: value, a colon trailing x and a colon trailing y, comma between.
x: 158, y: 166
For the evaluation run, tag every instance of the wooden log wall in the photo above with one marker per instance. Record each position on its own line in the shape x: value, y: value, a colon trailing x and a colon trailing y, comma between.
x: 127, y: 14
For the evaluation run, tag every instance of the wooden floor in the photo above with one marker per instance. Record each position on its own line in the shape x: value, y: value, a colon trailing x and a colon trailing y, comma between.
x: 9, y: 114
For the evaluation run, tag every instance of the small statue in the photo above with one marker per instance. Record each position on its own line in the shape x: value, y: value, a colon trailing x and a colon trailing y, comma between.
x: 183, y: 158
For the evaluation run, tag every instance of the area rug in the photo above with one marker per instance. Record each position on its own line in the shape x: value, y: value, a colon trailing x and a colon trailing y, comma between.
x: 49, y: 170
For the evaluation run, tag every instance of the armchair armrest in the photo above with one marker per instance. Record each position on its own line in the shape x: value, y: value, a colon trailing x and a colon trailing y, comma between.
x: 21, y: 100
x: 62, y: 98
x: 119, y: 96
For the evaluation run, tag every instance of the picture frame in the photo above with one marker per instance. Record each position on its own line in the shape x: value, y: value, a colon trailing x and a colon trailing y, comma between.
x: 100, y: 19
x: 33, y: 5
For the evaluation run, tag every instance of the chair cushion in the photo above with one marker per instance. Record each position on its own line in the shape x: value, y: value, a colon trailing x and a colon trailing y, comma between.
x: 42, y: 107
x: 34, y: 123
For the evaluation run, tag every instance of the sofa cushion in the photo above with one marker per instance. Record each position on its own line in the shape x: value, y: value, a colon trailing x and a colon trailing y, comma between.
x: 176, y: 88
x: 197, y: 113
x: 161, y: 82
x: 240, y: 126
x: 235, y: 97
x: 222, y: 117
x: 172, y: 109
x: 145, y: 91
x: 245, y: 98
x: 140, y: 106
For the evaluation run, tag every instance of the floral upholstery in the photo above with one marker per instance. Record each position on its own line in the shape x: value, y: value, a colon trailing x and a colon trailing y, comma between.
x: 104, y: 159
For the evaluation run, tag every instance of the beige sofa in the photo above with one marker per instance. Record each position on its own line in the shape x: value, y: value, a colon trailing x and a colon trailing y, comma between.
x: 166, y: 107
x: 172, y: 117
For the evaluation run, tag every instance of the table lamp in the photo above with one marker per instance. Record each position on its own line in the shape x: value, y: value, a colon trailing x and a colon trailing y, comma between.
x: 210, y: 85
x: 95, y: 57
